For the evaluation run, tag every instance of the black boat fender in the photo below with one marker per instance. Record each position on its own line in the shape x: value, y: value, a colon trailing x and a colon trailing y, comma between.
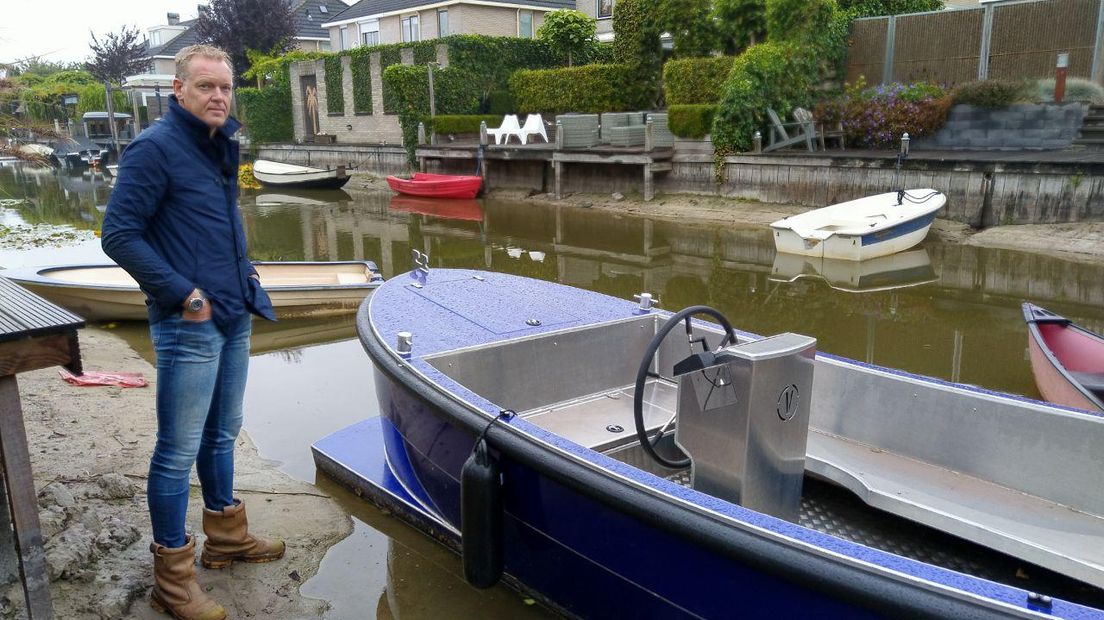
x: 481, y: 513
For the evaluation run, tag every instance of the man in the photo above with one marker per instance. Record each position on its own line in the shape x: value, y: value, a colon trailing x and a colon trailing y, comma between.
x: 173, y: 224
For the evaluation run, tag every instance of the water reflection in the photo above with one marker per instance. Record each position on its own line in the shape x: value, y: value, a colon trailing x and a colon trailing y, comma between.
x: 908, y: 268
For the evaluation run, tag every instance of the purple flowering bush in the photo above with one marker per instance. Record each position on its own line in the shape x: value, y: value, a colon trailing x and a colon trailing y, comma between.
x: 875, y: 117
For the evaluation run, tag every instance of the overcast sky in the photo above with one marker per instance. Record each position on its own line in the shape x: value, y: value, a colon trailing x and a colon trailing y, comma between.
x: 59, y: 29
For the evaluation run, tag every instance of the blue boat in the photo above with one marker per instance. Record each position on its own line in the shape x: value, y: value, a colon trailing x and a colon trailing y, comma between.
x: 612, y: 459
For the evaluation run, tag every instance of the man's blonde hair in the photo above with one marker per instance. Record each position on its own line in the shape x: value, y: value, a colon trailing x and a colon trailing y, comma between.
x: 184, y: 58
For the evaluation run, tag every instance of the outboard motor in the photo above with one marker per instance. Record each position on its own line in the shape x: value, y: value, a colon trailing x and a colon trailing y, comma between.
x: 743, y: 418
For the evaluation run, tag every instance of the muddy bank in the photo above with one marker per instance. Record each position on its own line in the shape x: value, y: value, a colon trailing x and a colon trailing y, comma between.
x: 90, y: 450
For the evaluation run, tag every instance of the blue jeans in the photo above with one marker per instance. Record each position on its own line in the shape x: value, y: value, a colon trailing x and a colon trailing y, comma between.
x: 201, y: 374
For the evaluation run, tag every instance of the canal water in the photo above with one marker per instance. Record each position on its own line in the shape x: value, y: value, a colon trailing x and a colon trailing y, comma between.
x: 943, y: 310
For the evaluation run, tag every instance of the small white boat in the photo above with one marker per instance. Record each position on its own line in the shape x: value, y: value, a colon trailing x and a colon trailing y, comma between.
x: 277, y: 174
x: 297, y: 289
x: 861, y: 229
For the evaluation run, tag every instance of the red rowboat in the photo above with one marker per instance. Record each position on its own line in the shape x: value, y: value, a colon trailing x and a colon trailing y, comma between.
x: 1067, y: 360
x: 437, y: 185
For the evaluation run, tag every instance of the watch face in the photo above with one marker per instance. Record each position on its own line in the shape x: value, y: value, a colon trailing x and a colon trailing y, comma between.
x: 195, y: 305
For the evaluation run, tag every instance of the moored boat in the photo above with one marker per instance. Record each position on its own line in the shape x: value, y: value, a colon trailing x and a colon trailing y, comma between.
x: 1066, y: 360
x: 292, y: 176
x: 437, y: 185
x: 818, y: 486
x: 861, y: 229
x: 297, y: 289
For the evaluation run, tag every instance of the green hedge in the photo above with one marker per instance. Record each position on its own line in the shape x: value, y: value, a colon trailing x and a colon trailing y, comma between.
x: 425, y: 52
x: 462, y: 123
x: 335, y: 96
x: 636, y: 44
x: 361, y: 67
x: 589, y: 88
x: 691, y: 121
x: 696, y: 80
x: 266, y: 113
x: 93, y: 98
x: 389, y: 55
x: 455, y: 89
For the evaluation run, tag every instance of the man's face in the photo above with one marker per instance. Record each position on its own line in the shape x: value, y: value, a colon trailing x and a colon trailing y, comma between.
x: 207, y: 91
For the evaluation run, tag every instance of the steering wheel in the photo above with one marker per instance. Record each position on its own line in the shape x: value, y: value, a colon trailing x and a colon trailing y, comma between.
x: 642, y: 375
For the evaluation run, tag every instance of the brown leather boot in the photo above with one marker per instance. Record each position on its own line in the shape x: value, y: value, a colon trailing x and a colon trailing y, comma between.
x: 228, y: 539
x: 175, y: 590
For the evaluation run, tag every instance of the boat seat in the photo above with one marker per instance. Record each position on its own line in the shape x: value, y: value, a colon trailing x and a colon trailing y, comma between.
x: 1092, y: 381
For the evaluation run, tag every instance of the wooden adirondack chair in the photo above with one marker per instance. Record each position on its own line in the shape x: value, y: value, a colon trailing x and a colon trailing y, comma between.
x: 802, y: 130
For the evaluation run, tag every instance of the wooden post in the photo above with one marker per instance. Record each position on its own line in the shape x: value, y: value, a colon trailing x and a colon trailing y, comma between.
x: 649, y: 183
x: 557, y: 183
x: 559, y: 143
x: 483, y: 133
x: 22, y: 501
x: 649, y: 141
x: 111, y: 117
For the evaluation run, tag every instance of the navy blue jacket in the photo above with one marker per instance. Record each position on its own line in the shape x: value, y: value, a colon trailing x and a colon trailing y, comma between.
x: 173, y: 224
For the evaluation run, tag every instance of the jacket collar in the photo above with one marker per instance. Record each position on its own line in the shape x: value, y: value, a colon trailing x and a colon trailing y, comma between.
x: 179, y: 115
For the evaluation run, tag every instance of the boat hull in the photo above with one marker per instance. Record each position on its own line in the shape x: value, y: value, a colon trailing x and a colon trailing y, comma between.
x: 124, y: 301
x: 437, y: 185
x: 1052, y: 376
x: 291, y: 176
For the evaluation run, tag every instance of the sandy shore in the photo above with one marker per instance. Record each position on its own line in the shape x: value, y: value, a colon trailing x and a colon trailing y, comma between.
x: 90, y: 451
x: 90, y: 448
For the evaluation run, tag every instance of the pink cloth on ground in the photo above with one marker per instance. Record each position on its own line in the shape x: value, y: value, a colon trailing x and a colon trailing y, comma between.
x: 89, y: 378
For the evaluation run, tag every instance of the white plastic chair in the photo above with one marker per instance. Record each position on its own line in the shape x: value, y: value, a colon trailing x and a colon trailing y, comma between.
x: 509, y: 127
x: 534, y: 126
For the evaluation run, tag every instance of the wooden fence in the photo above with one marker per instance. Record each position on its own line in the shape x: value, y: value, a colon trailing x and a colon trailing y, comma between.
x: 999, y: 40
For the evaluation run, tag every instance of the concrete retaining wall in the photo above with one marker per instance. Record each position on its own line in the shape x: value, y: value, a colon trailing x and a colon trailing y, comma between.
x: 1019, y: 126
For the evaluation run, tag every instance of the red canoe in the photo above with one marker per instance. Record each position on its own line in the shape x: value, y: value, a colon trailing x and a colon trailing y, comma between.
x: 1067, y: 360
x: 437, y: 185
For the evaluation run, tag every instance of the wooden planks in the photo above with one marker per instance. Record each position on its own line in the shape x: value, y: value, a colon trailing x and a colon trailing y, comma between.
x: 24, y: 314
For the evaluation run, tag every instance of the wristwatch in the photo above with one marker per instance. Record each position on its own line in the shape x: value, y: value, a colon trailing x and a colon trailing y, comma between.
x: 195, y: 304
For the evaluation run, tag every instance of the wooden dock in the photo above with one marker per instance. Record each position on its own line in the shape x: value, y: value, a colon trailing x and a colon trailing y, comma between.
x: 652, y: 161
x: 34, y: 334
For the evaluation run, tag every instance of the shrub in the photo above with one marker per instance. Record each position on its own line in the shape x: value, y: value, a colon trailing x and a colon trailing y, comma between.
x: 455, y: 89
x: 696, y: 80
x: 691, y: 121
x: 462, y: 123
x: 498, y: 102
x: 774, y: 75
x: 1077, y: 89
x: 568, y: 32
x: 876, y: 117
x: 994, y: 93
x: 335, y: 96
x: 492, y: 60
x: 266, y: 113
x: 93, y: 98
x: 636, y: 43
x: 872, y: 8
x: 587, y: 88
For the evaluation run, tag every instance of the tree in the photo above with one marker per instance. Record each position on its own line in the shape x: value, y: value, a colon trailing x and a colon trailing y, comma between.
x: 872, y: 8
x: 569, y: 32
x: 740, y: 23
x: 117, y: 55
x: 266, y: 26
x: 690, y: 24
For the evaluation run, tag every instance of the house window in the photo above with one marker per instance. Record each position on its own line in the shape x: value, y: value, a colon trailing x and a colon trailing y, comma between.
x: 344, y: 30
x: 442, y: 23
x: 369, y: 33
x: 324, y: 46
x: 525, y: 24
x: 155, y: 38
x: 605, y: 9
x: 410, y: 29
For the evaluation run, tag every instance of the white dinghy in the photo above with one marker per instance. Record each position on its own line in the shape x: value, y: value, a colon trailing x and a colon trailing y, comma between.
x: 277, y: 174
x: 861, y: 229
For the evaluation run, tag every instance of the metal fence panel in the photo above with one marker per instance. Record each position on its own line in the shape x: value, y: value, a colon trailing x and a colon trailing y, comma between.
x: 939, y: 47
x: 1027, y: 38
x: 866, y: 54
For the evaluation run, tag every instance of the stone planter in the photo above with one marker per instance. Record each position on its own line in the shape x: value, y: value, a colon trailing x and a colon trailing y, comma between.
x: 1017, y: 127
x: 324, y: 138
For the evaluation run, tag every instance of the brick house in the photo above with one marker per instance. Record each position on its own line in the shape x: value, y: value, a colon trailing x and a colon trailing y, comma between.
x: 376, y: 22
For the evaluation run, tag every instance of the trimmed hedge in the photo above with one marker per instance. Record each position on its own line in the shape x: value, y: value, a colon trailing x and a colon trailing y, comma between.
x: 462, y: 123
x: 589, y: 88
x: 636, y: 44
x: 361, y: 67
x: 691, y: 121
x: 696, y: 80
x: 335, y: 96
x: 389, y: 55
x: 456, y: 91
x: 266, y: 113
